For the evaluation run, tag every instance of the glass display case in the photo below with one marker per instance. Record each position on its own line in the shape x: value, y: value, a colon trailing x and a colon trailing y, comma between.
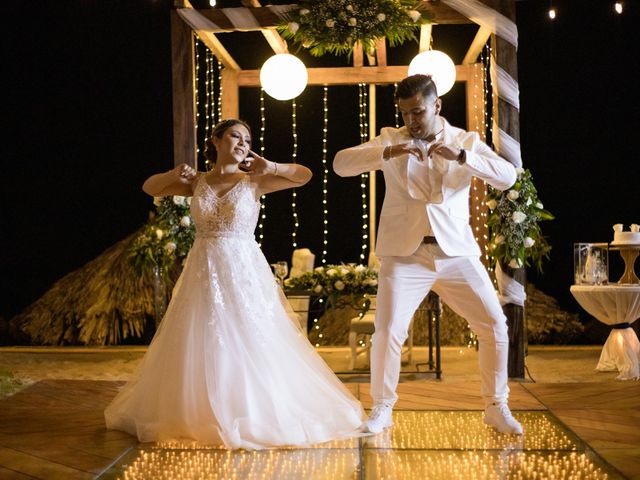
x: 591, y: 263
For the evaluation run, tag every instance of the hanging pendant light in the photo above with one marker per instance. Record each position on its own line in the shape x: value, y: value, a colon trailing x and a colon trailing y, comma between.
x: 283, y: 76
x: 437, y: 64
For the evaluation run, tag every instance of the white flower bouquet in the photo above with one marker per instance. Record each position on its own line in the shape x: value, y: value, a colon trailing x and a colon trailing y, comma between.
x: 515, y: 236
x: 167, y: 236
x: 336, y: 281
x: 335, y: 26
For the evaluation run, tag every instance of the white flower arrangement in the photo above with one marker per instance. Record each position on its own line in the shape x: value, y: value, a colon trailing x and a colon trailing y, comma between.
x: 166, y: 238
x: 334, y: 280
x: 336, y: 26
x: 515, y: 236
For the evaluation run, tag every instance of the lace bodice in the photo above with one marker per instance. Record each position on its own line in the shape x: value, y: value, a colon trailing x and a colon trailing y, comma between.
x: 233, y: 214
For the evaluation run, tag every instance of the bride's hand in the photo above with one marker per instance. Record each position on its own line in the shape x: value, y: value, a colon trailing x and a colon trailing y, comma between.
x: 184, y: 173
x: 256, y: 164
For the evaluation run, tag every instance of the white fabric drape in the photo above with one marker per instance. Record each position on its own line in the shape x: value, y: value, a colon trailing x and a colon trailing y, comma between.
x: 504, y: 85
x: 509, y: 290
x: 197, y: 21
x: 479, y: 13
x: 507, y: 146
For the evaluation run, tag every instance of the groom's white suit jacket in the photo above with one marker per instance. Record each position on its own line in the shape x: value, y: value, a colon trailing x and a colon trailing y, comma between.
x: 403, y: 220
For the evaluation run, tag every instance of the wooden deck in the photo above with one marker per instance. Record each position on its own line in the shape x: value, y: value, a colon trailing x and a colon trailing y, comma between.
x: 54, y: 429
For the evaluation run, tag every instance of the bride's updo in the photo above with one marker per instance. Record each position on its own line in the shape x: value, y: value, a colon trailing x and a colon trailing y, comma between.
x: 209, y: 148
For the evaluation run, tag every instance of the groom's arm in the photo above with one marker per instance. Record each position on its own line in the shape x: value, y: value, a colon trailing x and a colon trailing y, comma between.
x: 485, y: 164
x: 359, y: 159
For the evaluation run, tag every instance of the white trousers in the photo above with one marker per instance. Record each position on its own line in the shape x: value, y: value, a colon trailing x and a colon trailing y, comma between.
x: 464, y: 285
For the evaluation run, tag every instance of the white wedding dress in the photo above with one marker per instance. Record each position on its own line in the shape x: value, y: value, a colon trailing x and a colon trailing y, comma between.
x: 228, y: 365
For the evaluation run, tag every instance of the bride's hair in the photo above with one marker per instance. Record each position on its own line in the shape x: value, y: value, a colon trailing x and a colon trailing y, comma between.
x: 209, y: 148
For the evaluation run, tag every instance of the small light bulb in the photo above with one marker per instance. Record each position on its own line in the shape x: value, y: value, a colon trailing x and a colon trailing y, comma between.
x: 212, y: 3
x: 552, y: 13
x: 618, y: 7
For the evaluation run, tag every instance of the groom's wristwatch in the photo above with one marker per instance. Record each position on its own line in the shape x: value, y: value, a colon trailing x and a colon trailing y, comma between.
x: 462, y: 157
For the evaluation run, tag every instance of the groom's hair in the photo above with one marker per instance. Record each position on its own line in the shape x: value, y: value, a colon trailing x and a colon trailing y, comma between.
x: 415, y: 84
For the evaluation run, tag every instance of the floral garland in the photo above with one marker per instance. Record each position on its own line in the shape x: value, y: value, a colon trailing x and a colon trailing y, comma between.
x: 516, y: 239
x: 166, y: 238
x: 336, y: 280
x: 335, y: 26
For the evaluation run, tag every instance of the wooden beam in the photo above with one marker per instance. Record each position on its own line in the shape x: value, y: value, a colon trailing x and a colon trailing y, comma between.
x: 230, y: 97
x: 267, y: 17
x: 200, y: 26
x: 183, y: 88
x: 358, y: 55
x: 221, y: 53
x: 425, y: 38
x: 442, y: 13
x: 349, y: 75
x: 477, y: 45
x: 381, y: 52
x: 277, y: 43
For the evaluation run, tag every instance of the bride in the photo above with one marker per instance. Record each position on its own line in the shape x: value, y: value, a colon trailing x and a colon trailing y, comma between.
x: 227, y: 365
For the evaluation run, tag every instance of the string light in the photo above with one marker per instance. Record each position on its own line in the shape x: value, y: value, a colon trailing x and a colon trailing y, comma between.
x: 263, y: 198
x: 395, y: 104
x: 208, y: 92
x: 618, y: 7
x: 220, y: 67
x: 488, y: 112
x: 294, y: 156
x: 325, y: 176
x: 552, y: 13
x: 363, y: 100
x: 197, y: 94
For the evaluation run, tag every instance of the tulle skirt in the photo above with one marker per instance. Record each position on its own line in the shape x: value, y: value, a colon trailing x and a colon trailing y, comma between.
x: 228, y: 366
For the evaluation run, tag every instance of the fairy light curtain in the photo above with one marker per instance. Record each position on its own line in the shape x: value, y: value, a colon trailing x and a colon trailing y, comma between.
x: 208, y: 104
x: 208, y: 98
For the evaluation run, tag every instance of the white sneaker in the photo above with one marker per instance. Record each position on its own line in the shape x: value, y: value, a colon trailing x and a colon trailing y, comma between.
x: 498, y: 416
x: 379, y: 419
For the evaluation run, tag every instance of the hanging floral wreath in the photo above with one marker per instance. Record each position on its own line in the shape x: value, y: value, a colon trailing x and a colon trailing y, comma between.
x: 335, y: 26
x: 516, y: 239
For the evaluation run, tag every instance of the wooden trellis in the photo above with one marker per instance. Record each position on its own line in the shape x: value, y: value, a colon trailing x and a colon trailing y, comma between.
x: 207, y: 23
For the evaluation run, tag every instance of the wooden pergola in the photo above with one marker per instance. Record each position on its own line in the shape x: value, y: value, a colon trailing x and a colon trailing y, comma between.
x: 208, y: 23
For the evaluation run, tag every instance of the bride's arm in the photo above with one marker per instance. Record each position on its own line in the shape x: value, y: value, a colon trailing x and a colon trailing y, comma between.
x: 271, y: 176
x: 178, y: 181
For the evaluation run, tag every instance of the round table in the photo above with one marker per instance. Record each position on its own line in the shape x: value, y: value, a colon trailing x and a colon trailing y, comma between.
x: 617, y: 306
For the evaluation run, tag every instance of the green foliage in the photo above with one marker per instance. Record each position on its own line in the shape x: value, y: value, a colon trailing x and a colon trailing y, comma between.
x: 516, y: 239
x: 335, y: 26
x: 166, y: 238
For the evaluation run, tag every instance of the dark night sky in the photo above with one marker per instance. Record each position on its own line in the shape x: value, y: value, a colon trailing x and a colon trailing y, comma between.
x: 87, y: 100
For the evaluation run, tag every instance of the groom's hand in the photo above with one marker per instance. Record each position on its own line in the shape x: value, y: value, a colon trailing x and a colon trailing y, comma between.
x: 443, y: 150
x: 393, y: 151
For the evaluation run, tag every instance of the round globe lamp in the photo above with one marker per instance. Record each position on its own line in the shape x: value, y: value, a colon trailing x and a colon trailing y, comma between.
x: 438, y: 65
x: 283, y: 76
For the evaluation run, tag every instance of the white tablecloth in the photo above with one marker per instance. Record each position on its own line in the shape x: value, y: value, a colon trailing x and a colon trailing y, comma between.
x: 615, y: 305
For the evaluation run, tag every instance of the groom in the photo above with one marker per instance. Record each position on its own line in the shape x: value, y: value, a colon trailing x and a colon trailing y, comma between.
x: 425, y: 242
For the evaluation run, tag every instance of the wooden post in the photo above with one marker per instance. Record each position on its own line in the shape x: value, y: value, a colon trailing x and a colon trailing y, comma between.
x: 508, y: 120
x: 183, y: 89
x: 230, y: 97
x: 517, y: 324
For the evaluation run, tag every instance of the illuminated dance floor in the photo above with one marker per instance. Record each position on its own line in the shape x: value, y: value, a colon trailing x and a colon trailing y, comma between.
x: 54, y: 429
